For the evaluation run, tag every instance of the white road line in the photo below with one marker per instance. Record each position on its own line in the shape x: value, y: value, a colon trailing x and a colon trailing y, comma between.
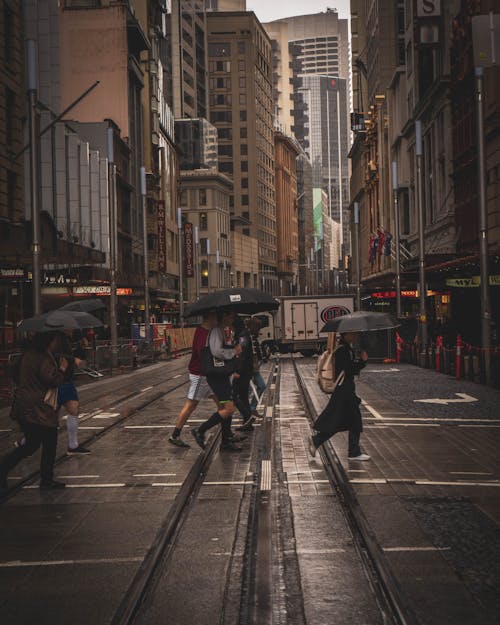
x: 269, y: 411
x: 145, y: 427
x: 458, y: 483
x: 90, y: 427
x: 272, y: 387
x: 117, y: 485
x: 312, y: 552
x: 265, y: 478
x: 307, y: 481
x: 373, y: 480
x: 106, y: 415
x: 442, y: 419
x: 154, y: 474
x: 77, y: 477
x: 374, y: 412
x: 470, y: 473
x: 403, y: 549
x: 176, y: 376
x: 10, y: 430
x: 166, y: 484
x: 25, y: 563
x: 480, y: 425
x: 229, y: 483
x: 412, y: 425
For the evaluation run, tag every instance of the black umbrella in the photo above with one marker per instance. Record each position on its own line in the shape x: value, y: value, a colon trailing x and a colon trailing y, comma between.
x: 59, y: 320
x: 361, y: 321
x: 84, y: 305
x: 241, y: 300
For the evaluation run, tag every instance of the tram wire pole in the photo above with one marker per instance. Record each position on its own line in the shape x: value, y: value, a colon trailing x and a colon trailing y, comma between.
x: 146, y: 257
x: 396, y: 237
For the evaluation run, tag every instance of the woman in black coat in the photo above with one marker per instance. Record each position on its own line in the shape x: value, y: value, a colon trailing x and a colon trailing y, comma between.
x: 342, y: 411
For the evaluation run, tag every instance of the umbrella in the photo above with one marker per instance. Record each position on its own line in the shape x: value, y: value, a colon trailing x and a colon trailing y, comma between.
x: 241, y: 300
x: 86, y: 305
x: 59, y: 320
x: 361, y: 321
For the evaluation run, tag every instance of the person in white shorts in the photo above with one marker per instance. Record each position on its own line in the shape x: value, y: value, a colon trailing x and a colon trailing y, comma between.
x: 198, y: 386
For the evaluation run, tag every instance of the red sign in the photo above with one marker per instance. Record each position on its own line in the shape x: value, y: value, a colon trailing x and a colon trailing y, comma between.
x: 188, y: 249
x: 162, y: 238
x: 392, y: 294
x: 332, y: 312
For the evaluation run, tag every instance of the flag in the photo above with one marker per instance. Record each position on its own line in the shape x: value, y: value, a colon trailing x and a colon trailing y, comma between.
x: 381, y: 241
x: 387, y: 244
x: 371, y: 256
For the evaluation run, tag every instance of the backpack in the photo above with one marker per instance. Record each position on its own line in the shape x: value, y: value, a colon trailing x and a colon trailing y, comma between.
x: 327, y: 380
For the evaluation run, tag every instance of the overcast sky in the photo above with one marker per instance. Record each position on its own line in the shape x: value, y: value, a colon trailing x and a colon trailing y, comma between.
x: 267, y: 10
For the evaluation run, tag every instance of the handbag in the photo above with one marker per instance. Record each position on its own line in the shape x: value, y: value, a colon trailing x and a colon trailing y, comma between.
x: 210, y: 365
x: 50, y: 398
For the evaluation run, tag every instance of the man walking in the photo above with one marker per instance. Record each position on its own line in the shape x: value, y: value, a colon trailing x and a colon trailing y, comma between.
x: 198, y: 386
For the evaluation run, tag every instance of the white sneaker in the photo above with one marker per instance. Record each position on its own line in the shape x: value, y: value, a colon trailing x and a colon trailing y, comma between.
x: 362, y: 457
x: 312, y: 448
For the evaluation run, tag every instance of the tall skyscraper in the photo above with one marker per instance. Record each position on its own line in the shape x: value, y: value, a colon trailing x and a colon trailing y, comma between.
x: 241, y: 107
x: 311, y: 81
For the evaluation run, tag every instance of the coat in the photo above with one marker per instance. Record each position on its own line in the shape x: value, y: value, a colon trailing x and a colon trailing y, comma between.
x: 342, y: 411
x: 37, y: 374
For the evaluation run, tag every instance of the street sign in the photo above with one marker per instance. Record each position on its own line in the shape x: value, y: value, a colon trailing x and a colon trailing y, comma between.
x: 463, y: 399
x: 486, y: 39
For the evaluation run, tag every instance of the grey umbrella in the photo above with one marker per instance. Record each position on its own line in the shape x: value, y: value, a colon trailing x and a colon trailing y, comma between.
x: 84, y: 305
x: 242, y: 300
x: 59, y: 320
x: 361, y: 321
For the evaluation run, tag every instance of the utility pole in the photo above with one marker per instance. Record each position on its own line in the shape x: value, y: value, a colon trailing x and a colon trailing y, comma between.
x: 421, y: 242
x: 36, y: 280
x: 146, y: 258
x: 483, y: 229
x: 113, y: 236
x: 358, y: 256
x: 396, y: 237
x: 181, y: 272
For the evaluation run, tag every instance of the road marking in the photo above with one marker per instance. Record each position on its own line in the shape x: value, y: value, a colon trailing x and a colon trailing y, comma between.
x: 382, y: 370
x: 441, y: 419
x: 145, y: 427
x: 269, y: 411
x: 90, y: 427
x: 25, y: 563
x: 166, y: 484
x: 154, y: 474
x: 176, y: 376
x: 10, y: 430
x: 463, y: 399
x: 374, y: 412
x: 481, y: 425
x: 229, y: 483
x: 148, y: 388
x: 470, y: 473
x: 458, y: 483
x: 265, y: 477
x: 106, y: 415
x: 402, y: 549
x: 312, y: 552
x: 272, y: 387
x: 77, y: 477
x: 372, y: 480
x: 117, y: 485
x: 307, y: 481
x: 287, y: 406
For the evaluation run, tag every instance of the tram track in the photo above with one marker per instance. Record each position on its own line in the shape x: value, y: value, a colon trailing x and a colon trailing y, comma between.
x: 391, y: 601
x: 116, y: 405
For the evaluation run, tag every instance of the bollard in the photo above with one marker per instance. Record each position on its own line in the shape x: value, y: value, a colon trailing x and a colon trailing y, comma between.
x: 476, y: 371
x: 439, y: 344
x: 399, y: 347
x: 458, y: 358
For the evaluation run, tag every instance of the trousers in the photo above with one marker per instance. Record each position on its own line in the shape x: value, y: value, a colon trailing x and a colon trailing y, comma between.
x: 354, y: 435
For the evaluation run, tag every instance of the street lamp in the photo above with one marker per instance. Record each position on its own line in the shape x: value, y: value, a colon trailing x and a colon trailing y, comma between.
x: 146, y: 259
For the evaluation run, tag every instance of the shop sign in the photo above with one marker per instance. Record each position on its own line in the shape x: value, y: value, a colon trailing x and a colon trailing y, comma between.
x: 12, y: 274
x: 58, y: 278
x: 93, y: 289
x: 392, y: 294
x: 188, y: 249
x: 428, y: 8
x: 472, y: 282
x: 162, y: 238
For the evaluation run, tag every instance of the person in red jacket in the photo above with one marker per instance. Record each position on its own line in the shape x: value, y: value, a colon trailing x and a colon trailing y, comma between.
x: 198, y: 386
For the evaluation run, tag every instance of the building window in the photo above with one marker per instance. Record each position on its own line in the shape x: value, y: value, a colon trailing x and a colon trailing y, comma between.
x: 241, y: 47
x: 11, y: 192
x: 203, y: 246
x: 243, y: 99
x: 246, y: 232
x: 226, y: 168
x: 151, y: 242
x: 244, y: 149
x: 204, y: 272
x: 203, y: 221
x: 225, y: 133
x: 221, y: 116
x: 184, y: 197
x: 243, y: 82
x: 244, y: 183
x: 243, y: 132
x: 243, y: 116
x: 219, y: 49
x: 202, y: 197
x: 83, y: 4
x: 244, y: 200
x: 226, y: 149
x: 244, y: 165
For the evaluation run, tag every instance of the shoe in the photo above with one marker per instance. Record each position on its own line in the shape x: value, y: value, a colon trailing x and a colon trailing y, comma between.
x: 199, y: 437
x: 312, y: 448
x: 177, y: 441
x: 361, y: 457
x: 77, y: 451
x: 255, y: 413
x: 51, y: 485
x: 237, y: 438
x: 245, y: 428
x: 248, y: 420
x: 230, y: 446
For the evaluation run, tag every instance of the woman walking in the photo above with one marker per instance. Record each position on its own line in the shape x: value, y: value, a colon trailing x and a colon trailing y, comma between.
x: 220, y: 383
x: 35, y: 408
x: 342, y: 411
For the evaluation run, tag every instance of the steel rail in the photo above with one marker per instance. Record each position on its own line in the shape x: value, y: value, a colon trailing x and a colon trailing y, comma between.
x: 392, y: 601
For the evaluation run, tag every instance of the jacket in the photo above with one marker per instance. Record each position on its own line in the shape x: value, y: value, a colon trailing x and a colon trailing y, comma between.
x: 216, y: 342
x: 38, y: 373
x: 342, y: 411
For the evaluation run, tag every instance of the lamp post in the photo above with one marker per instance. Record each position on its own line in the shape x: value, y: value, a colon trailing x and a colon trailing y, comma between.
x: 146, y: 258
x: 421, y: 243
x: 181, y: 272
x: 36, y: 280
x: 113, y: 241
x: 358, y: 256
x: 396, y: 237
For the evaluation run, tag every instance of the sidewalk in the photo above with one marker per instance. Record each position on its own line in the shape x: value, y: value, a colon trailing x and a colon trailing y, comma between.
x: 431, y: 492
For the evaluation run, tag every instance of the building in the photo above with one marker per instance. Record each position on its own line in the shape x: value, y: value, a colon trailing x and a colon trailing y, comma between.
x: 204, y: 201
x: 226, y: 5
x: 187, y: 24
x: 305, y: 221
x: 196, y: 140
x: 286, y: 152
x: 241, y: 108
x: 245, y: 259
x: 311, y: 76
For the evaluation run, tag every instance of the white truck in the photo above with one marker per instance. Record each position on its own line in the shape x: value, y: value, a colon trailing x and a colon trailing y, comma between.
x: 296, y: 325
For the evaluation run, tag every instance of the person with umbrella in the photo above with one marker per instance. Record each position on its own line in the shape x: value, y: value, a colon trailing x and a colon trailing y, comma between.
x: 220, y: 383
x: 342, y: 411
x: 35, y: 408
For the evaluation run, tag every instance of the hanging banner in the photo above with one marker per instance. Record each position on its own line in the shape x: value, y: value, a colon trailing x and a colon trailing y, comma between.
x: 188, y: 249
x: 162, y: 238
